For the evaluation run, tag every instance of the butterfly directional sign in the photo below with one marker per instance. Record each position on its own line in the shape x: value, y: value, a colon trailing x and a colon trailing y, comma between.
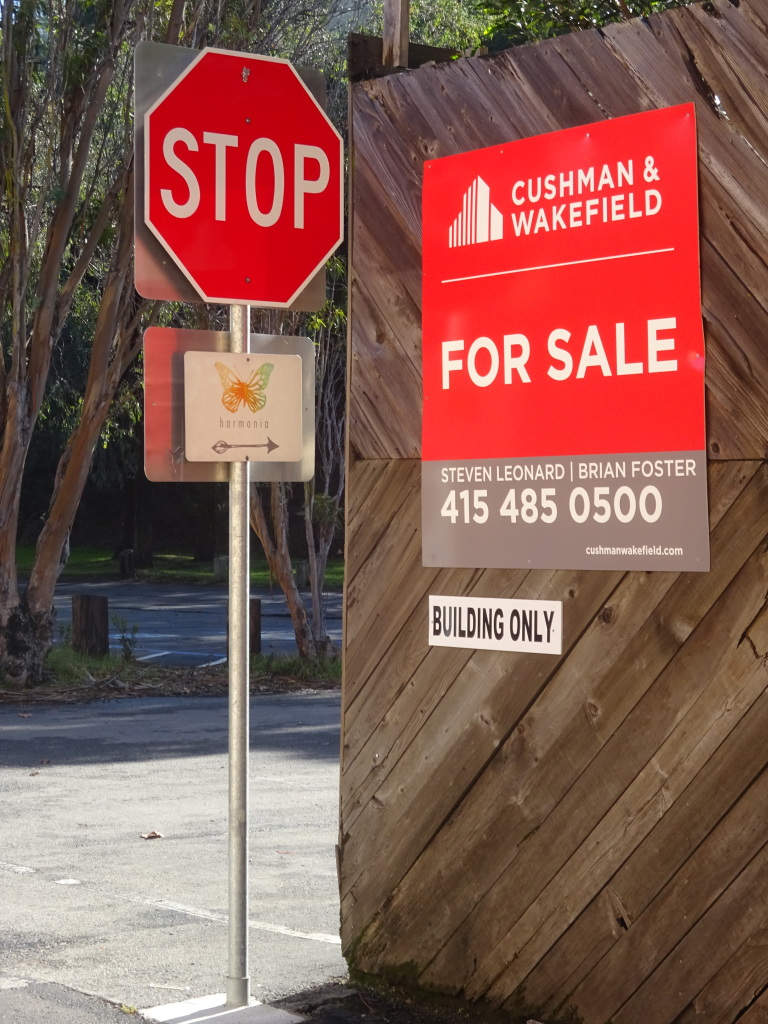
x: 222, y: 407
x: 242, y: 407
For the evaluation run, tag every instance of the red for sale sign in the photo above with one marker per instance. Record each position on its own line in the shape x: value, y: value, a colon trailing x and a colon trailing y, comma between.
x: 563, y: 351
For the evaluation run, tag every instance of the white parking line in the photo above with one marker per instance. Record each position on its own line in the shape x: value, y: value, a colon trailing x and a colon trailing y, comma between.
x: 183, y: 908
x: 16, y: 868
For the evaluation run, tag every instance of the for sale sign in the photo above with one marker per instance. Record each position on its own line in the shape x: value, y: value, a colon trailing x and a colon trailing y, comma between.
x: 563, y: 351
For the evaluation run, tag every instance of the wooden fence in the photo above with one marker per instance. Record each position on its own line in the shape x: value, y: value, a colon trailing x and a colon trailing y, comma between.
x: 591, y: 830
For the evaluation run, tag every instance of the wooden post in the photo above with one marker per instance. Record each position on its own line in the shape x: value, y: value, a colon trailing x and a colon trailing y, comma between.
x: 254, y: 625
x: 90, y: 624
x: 395, y: 33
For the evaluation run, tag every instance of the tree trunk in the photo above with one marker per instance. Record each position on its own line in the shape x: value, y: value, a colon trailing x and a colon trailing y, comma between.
x: 205, y: 541
x: 26, y: 641
x: 116, y: 343
x: 90, y: 624
x: 319, y: 539
x: 63, y: 124
x: 142, y: 522
x: 279, y: 560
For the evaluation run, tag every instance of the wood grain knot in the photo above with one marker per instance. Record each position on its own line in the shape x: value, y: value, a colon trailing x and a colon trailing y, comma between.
x: 607, y: 615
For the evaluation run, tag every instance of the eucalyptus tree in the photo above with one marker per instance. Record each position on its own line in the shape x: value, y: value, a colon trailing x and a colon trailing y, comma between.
x: 323, y: 495
x: 66, y: 220
x: 65, y: 158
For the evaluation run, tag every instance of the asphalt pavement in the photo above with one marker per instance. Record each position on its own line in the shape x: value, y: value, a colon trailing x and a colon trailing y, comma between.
x: 97, y: 922
x: 177, y: 624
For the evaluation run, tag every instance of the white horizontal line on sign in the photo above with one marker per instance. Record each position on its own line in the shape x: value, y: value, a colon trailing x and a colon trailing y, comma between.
x: 553, y: 266
x: 496, y: 624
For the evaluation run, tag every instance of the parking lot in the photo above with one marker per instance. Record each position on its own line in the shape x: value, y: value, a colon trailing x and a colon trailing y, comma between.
x: 185, y: 625
x: 90, y: 904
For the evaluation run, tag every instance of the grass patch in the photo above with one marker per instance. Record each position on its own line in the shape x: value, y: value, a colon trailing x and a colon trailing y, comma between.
x: 64, y: 665
x: 82, y: 562
x: 167, y: 568
x: 71, y: 677
x: 302, y: 670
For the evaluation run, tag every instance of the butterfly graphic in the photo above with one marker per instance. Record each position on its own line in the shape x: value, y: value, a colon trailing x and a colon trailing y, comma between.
x: 249, y: 392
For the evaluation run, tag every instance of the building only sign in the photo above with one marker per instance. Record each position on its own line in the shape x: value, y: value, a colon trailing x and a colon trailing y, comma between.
x: 563, y: 351
x: 496, y: 624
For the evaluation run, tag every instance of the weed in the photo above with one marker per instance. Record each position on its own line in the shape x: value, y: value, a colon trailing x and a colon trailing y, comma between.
x: 294, y: 667
x: 128, y: 637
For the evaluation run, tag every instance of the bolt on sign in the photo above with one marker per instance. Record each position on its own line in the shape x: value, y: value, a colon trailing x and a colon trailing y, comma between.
x: 563, y: 351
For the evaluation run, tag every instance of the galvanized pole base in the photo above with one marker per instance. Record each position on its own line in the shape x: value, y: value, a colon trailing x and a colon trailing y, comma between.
x: 238, y: 980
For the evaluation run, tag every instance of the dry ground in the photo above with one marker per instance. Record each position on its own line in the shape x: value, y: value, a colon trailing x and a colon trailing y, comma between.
x: 133, y: 681
x: 346, y: 1004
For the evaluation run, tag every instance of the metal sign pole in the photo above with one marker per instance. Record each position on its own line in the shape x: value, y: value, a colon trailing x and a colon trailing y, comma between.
x: 238, y: 981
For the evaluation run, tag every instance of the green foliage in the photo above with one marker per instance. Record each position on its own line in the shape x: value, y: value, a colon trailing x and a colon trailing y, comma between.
x: 333, y: 315
x: 65, y: 667
x: 326, y: 510
x: 303, y: 670
x: 511, y: 22
x: 91, y: 563
x: 448, y: 23
x: 86, y: 41
x: 68, y: 667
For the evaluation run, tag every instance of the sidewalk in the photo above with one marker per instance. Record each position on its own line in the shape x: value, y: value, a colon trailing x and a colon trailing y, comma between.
x: 330, y: 1004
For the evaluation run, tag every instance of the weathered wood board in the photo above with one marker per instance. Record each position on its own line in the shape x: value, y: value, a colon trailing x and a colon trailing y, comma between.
x: 591, y: 829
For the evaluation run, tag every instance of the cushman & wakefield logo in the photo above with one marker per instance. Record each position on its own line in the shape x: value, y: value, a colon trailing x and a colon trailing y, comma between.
x: 479, y: 220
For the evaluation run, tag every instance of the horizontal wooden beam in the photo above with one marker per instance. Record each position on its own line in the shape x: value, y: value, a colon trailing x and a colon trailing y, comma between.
x: 366, y: 57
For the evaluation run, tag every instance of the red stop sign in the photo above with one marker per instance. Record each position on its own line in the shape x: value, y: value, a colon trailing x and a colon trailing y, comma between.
x: 243, y: 178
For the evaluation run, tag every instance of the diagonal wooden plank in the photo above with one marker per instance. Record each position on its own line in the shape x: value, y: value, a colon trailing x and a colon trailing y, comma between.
x: 600, y: 71
x: 420, y: 693
x: 528, y: 777
x: 749, y: 24
x: 737, y: 371
x: 734, y: 66
x: 362, y: 477
x: 695, y: 961
x: 375, y: 614
x: 684, y: 825
x: 710, y: 868
x: 756, y: 1012
x: 594, y: 932
x: 385, y: 389
x: 677, y: 57
x: 617, y: 798
x: 533, y: 756
x: 392, y: 485
x: 543, y: 854
x: 735, y: 986
x: 377, y: 715
x: 430, y: 777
